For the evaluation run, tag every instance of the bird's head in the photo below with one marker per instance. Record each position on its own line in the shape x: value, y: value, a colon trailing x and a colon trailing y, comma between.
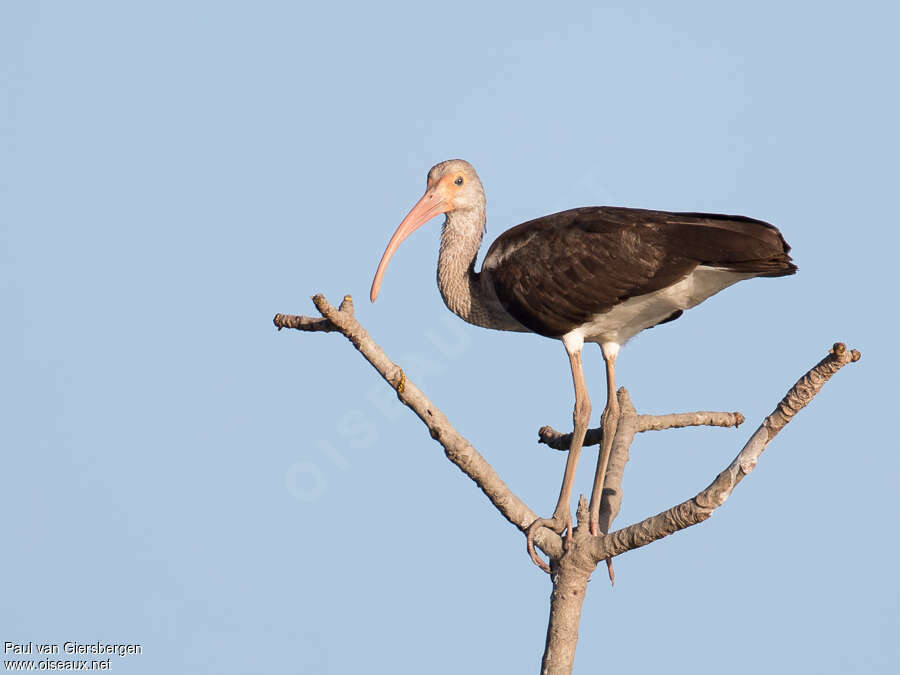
x: 452, y: 186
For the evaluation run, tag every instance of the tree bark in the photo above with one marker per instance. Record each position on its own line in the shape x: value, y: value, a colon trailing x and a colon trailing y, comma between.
x: 569, y: 588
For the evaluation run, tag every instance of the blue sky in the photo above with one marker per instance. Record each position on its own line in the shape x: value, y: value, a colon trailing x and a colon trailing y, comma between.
x: 178, y: 474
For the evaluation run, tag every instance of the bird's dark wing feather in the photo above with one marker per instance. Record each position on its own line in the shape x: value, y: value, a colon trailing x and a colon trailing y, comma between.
x: 554, y: 273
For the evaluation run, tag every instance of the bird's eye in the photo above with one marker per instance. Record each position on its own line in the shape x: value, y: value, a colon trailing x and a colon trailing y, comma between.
x: 459, y: 180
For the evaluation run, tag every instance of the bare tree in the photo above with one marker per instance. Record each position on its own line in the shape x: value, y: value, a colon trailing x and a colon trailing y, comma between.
x: 571, y: 565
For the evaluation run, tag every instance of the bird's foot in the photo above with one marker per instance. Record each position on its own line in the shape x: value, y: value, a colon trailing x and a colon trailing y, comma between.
x: 559, y: 523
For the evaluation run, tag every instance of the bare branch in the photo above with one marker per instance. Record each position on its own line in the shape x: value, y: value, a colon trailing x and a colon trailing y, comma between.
x: 312, y: 324
x: 692, y: 419
x: 700, y: 507
x: 560, y: 441
x: 573, y: 567
x: 306, y: 323
x: 618, y: 458
x: 458, y: 449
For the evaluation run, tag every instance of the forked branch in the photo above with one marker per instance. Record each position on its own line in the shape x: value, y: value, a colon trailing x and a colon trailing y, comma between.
x: 458, y: 449
x: 572, y: 568
x: 700, y: 507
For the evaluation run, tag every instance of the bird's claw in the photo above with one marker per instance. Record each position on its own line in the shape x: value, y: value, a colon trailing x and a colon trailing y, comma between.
x: 594, y: 529
x: 558, y: 524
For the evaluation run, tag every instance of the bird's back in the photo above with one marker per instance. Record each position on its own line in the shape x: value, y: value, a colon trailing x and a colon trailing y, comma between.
x: 564, y: 270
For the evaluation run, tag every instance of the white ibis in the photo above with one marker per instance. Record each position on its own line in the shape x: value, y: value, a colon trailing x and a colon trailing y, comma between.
x: 593, y: 274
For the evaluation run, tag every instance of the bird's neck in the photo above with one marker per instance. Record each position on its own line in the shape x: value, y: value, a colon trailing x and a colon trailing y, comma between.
x: 456, y: 276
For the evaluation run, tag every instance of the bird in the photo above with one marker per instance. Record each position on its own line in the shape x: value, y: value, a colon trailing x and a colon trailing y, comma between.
x: 598, y: 274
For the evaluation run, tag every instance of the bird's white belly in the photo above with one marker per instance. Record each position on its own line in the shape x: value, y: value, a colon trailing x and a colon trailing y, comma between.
x: 630, y: 317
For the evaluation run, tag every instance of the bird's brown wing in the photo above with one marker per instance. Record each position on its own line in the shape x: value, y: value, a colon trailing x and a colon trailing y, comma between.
x: 555, y: 273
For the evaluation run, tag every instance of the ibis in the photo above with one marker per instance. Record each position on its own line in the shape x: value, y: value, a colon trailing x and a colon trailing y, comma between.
x: 597, y: 274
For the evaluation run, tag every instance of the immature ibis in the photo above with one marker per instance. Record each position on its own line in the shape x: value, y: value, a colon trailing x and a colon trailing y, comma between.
x: 593, y: 274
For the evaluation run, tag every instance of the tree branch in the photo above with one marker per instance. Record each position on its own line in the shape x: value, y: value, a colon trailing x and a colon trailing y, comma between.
x: 573, y: 567
x: 692, y: 419
x: 560, y: 441
x: 611, y: 501
x: 700, y: 507
x: 458, y: 449
x: 305, y: 323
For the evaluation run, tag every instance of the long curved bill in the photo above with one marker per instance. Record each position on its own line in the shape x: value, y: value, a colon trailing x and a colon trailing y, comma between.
x: 430, y: 205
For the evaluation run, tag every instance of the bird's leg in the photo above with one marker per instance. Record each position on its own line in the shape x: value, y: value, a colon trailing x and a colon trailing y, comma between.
x: 562, y: 515
x: 609, y: 420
